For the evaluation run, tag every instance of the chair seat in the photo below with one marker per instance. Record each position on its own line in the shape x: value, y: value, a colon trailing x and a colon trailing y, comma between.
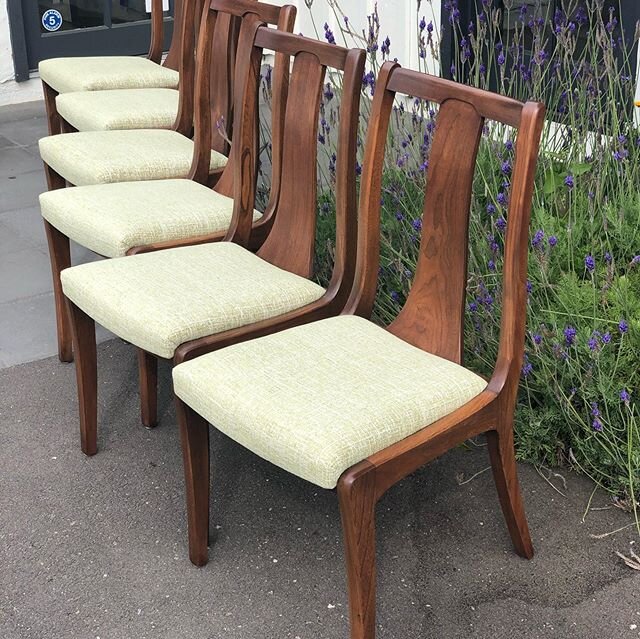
x: 110, y: 219
x: 319, y: 398
x: 100, y: 157
x: 100, y: 73
x: 119, y: 109
x: 160, y: 300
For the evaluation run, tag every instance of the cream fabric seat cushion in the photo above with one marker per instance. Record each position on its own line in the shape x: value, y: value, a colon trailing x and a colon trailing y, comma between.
x: 119, y: 109
x: 320, y: 398
x: 100, y: 157
x: 110, y: 219
x: 99, y: 73
x: 160, y: 300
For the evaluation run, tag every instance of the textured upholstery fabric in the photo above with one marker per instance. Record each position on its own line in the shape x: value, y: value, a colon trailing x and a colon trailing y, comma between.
x: 160, y: 300
x: 319, y: 398
x: 119, y: 109
x: 112, y: 218
x: 100, y: 73
x: 100, y: 157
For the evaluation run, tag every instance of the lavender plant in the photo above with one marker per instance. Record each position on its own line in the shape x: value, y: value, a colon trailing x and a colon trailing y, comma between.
x: 580, y: 382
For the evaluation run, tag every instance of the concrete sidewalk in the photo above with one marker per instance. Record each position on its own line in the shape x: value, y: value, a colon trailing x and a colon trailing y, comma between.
x: 27, y: 321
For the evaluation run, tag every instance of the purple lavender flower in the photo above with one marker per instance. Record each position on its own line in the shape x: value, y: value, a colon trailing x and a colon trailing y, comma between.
x: 590, y: 263
x: 527, y: 368
x: 593, y: 344
x: 399, y: 216
x: 501, y: 58
x: 328, y: 34
x: 501, y: 199
x: 506, y: 168
x: 529, y: 287
x: 635, y: 260
x: 491, y: 265
x: 537, y: 338
x: 537, y: 238
x: 553, y: 240
x: 607, y: 257
x: 606, y: 338
x: 491, y: 209
x: 417, y: 224
x: 422, y: 24
x: 569, y: 181
x: 624, y: 396
x: 508, y: 145
x: 597, y: 425
x: 623, y: 327
x: 501, y: 224
x: 570, y: 335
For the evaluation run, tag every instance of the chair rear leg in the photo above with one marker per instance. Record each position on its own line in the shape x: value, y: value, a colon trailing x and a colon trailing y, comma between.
x: 84, y: 341
x: 357, y: 497
x: 60, y: 257
x: 505, y: 474
x: 148, y: 381
x: 53, y: 118
x: 194, y: 434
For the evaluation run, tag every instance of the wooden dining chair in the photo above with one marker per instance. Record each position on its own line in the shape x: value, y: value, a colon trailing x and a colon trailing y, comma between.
x: 197, y: 298
x: 145, y: 108
x: 97, y: 73
x: 131, y: 155
x: 123, y: 218
x: 346, y: 403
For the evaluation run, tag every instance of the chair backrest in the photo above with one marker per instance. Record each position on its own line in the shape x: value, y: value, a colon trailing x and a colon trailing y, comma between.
x: 216, y: 70
x: 290, y: 243
x: 183, y: 11
x: 433, y: 315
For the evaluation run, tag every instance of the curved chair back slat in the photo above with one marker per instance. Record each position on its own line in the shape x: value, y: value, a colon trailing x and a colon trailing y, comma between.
x: 433, y: 315
x: 216, y: 73
x: 290, y: 244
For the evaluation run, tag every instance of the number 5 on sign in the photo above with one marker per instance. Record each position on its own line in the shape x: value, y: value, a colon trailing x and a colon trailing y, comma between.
x: 51, y: 20
x: 165, y: 5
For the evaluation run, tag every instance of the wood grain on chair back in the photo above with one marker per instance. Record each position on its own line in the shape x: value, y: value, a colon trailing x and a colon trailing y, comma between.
x: 433, y: 315
x: 290, y: 244
x: 216, y: 73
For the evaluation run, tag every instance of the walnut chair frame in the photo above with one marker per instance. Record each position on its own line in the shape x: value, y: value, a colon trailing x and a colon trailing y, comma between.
x: 292, y: 219
x: 432, y: 319
x: 212, y: 101
x: 184, y: 12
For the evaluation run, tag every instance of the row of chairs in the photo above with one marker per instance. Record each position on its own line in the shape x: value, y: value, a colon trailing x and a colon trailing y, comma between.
x: 293, y: 371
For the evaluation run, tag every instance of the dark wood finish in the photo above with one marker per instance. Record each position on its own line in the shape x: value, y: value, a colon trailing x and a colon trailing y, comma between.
x: 357, y: 498
x: 60, y: 258
x: 53, y: 117
x: 194, y: 435
x: 84, y: 340
x: 157, y: 41
x: 221, y: 42
x: 432, y: 316
x: 236, y: 180
x: 148, y: 381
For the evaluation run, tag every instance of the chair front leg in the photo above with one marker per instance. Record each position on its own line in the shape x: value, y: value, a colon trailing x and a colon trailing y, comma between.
x: 148, y: 381
x: 84, y: 341
x: 194, y: 434
x: 53, y: 118
x: 60, y: 258
x: 357, y: 498
x: 505, y: 475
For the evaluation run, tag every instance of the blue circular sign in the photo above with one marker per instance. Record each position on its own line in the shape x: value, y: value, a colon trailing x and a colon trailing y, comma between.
x: 51, y: 20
